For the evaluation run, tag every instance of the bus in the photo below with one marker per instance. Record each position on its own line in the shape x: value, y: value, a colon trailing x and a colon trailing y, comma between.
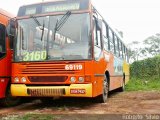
x: 6, y: 52
x: 65, y: 48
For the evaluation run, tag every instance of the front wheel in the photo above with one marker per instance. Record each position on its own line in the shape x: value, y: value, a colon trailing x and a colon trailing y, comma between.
x: 9, y: 100
x: 104, y: 96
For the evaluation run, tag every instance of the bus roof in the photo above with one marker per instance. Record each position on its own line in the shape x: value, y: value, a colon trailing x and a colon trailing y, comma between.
x: 114, y: 30
x: 5, y: 13
x: 45, y: 2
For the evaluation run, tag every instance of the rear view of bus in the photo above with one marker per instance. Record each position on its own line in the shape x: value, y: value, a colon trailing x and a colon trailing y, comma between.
x: 5, y: 60
x: 55, y: 54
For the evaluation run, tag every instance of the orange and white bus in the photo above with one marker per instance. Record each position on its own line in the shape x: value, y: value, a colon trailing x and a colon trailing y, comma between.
x: 66, y: 49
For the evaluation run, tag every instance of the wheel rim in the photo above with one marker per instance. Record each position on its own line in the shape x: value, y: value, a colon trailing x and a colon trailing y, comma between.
x: 105, y: 88
x: 123, y: 85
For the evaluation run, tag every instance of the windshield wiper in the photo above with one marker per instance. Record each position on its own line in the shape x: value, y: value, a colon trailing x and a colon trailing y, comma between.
x: 58, y: 26
x: 42, y: 31
x: 38, y: 23
x: 61, y: 22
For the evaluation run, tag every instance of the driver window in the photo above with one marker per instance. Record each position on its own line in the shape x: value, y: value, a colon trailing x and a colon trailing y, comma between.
x: 97, y: 40
x: 2, y: 38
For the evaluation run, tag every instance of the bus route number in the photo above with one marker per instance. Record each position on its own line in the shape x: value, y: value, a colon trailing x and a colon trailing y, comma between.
x: 74, y: 67
x: 34, y: 56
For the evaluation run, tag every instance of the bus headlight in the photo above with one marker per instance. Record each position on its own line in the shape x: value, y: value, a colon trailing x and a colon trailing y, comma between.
x: 23, y: 79
x: 16, y: 79
x: 72, y: 79
x: 81, y: 79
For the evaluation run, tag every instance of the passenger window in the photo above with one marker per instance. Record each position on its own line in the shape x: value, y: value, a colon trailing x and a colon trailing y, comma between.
x: 120, y: 49
x: 116, y: 46
x: 105, y: 38
x: 124, y: 52
x: 111, y: 41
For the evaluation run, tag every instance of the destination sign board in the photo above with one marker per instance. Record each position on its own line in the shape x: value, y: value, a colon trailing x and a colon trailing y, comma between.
x: 54, y: 6
x: 61, y: 7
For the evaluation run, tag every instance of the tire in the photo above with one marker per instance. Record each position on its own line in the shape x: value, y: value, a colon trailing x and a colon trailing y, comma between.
x: 122, y: 89
x: 9, y: 100
x: 104, y: 96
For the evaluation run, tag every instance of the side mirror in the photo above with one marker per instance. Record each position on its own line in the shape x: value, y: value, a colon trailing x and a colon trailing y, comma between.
x: 11, y: 31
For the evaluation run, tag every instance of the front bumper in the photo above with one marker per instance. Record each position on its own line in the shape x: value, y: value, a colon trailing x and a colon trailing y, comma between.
x: 74, y: 90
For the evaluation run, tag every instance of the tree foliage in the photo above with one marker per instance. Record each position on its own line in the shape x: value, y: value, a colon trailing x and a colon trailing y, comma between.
x: 149, y: 48
x: 149, y: 67
x: 134, y: 51
x: 152, y: 45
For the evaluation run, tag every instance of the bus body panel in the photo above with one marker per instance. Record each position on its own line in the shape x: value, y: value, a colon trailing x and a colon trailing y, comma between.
x: 126, y: 71
x: 21, y: 69
x: 74, y: 90
x: 92, y: 76
x: 5, y: 61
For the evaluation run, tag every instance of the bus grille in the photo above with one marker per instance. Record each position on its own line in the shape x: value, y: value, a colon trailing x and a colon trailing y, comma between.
x: 46, y: 68
x: 45, y: 92
x: 47, y: 78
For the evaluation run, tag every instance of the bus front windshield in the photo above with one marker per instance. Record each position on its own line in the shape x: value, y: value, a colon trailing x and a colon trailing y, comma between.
x: 38, y: 39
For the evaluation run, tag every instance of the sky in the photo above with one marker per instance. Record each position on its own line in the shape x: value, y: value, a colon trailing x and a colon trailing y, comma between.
x: 137, y: 19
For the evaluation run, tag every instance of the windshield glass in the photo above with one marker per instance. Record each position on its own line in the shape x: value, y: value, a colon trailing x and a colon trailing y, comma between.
x: 37, y: 40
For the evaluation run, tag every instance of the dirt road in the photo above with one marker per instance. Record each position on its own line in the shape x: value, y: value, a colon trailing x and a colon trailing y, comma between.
x: 118, y: 103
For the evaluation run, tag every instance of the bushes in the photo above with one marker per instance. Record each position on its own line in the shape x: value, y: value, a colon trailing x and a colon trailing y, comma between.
x: 136, y: 84
x: 146, y: 68
x: 145, y: 75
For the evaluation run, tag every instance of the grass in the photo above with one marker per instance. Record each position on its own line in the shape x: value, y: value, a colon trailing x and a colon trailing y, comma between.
x: 37, y: 117
x: 143, y: 84
x: 30, y: 116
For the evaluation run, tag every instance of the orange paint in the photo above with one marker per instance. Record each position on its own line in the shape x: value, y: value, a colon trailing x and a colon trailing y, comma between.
x: 5, y: 56
x: 81, y: 78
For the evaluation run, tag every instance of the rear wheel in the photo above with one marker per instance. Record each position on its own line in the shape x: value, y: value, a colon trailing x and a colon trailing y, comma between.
x: 122, y: 88
x: 104, y: 96
x: 9, y: 100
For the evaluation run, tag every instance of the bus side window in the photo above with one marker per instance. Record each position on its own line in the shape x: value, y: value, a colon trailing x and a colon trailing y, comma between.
x: 107, y: 28
x: 105, y: 37
x: 124, y: 52
x: 97, y: 39
x: 121, y: 49
x: 127, y: 57
x: 111, y: 39
x: 116, y: 46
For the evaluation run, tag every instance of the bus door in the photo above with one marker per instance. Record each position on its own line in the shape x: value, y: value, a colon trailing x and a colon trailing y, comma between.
x: 98, y: 56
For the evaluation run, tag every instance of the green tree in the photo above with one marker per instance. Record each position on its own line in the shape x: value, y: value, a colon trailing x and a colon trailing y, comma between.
x: 152, y: 45
x: 149, y: 67
x: 134, y: 51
